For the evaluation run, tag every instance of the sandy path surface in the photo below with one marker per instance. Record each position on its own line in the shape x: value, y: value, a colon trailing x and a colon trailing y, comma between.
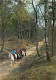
x: 5, y: 67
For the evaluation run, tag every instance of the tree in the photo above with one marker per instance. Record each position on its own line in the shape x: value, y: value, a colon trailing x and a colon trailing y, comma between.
x: 47, y: 52
x: 36, y: 27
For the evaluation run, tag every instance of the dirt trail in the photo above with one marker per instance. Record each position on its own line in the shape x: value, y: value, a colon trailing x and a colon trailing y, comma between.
x: 5, y: 67
x: 33, y: 49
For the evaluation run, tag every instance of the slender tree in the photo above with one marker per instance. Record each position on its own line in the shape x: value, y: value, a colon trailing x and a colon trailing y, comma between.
x: 47, y: 52
x: 36, y: 27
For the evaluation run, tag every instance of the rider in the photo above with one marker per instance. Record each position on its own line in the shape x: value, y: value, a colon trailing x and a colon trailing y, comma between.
x: 19, y: 54
x: 20, y: 47
x: 13, y: 52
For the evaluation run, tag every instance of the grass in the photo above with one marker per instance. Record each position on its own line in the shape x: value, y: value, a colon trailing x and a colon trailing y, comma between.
x: 40, y: 70
x: 32, y: 69
x: 3, y: 57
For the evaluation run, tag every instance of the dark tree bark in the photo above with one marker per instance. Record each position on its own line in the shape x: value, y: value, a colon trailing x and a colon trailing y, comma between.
x: 53, y: 28
x: 2, y: 46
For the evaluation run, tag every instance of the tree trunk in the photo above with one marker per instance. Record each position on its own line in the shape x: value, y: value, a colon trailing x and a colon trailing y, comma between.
x: 36, y: 29
x: 2, y: 45
x: 53, y: 28
x: 47, y: 52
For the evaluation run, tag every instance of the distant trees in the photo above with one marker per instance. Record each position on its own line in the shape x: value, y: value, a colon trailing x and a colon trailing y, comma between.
x: 15, y: 20
x: 3, y: 21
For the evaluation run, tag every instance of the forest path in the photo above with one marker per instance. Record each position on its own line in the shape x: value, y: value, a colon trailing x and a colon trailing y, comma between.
x: 6, y: 68
x: 33, y: 49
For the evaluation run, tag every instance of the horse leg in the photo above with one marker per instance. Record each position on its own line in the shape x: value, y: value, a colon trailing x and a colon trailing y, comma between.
x: 17, y: 57
x: 11, y: 62
x: 25, y: 53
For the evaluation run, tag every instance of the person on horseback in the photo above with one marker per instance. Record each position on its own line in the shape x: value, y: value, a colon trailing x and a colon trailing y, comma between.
x: 14, y: 54
x: 19, y: 54
x: 20, y: 47
x: 23, y: 51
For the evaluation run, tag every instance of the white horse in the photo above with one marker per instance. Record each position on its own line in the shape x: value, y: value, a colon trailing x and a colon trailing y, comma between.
x: 23, y: 52
x: 12, y: 58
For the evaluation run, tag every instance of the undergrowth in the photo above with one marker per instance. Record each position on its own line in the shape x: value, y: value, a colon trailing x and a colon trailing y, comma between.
x: 32, y: 69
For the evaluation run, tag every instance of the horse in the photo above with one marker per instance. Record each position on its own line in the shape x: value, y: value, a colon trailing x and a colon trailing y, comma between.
x: 23, y: 51
x: 20, y: 53
x: 15, y: 56
x: 12, y: 58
